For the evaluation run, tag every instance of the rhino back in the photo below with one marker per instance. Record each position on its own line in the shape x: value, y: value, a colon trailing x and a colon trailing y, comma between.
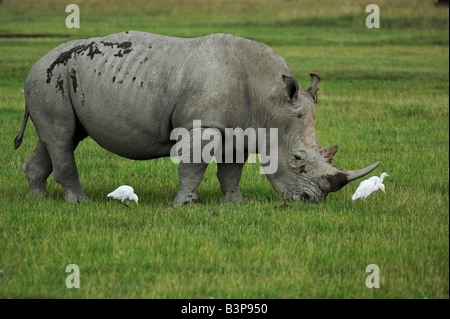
x: 117, y: 86
x: 128, y: 90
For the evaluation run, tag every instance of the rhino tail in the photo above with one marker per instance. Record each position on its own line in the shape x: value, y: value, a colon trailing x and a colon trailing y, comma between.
x: 19, y: 137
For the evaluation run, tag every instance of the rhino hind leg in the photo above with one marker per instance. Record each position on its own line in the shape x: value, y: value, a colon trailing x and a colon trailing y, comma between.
x: 229, y: 177
x: 37, y: 168
x: 50, y: 107
x: 60, y: 142
x: 65, y: 171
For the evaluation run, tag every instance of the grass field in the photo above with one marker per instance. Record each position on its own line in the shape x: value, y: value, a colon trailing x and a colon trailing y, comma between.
x: 384, y: 97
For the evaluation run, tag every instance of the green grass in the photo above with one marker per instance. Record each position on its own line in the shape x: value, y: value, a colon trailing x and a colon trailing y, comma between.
x: 384, y: 97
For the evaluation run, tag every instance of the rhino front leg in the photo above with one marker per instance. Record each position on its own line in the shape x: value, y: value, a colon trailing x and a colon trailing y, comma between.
x: 229, y: 177
x: 37, y: 168
x: 190, y: 176
x: 190, y: 170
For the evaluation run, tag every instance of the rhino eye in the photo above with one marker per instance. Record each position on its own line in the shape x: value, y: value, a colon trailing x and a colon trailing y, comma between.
x: 297, y: 161
x: 298, y: 157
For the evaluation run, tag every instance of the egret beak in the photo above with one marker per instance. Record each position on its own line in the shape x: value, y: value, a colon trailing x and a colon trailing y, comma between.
x: 137, y: 204
x: 384, y: 191
x: 388, y: 175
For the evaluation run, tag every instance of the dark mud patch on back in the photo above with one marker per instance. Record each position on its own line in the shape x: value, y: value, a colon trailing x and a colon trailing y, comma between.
x: 91, y: 48
x: 123, y: 45
x: 121, y: 54
x: 93, y: 51
x: 60, y: 84
x: 73, y: 76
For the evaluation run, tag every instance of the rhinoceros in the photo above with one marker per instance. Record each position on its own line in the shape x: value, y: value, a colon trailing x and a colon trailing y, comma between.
x: 129, y: 90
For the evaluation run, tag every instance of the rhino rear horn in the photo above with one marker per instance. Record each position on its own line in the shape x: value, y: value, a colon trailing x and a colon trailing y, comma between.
x: 312, y: 90
x: 329, y: 152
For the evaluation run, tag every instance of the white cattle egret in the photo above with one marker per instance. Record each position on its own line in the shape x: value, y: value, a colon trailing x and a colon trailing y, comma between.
x: 124, y: 192
x: 367, y: 187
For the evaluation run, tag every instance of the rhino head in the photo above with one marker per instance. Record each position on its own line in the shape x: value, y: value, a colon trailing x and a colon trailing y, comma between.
x: 305, y: 168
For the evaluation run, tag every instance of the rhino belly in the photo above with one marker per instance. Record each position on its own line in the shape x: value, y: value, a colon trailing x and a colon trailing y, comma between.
x: 122, y: 120
x: 127, y: 140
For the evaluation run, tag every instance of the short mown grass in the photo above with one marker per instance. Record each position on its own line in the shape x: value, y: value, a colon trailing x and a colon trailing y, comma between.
x: 384, y: 97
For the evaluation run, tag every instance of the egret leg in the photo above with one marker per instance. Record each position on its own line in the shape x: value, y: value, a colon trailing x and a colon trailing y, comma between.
x: 123, y: 204
x: 364, y: 204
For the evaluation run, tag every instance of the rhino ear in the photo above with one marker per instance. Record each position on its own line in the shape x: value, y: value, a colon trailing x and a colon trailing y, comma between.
x: 291, y: 88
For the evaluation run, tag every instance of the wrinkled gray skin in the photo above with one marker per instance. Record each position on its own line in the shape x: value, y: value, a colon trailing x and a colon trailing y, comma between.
x: 129, y: 90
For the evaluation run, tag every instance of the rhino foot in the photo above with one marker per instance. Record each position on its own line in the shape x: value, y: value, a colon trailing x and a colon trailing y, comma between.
x: 75, y: 198
x: 37, y: 193
x: 186, y: 200
x: 233, y: 197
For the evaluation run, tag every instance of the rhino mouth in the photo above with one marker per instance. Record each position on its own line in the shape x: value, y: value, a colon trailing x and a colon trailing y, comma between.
x: 305, y: 195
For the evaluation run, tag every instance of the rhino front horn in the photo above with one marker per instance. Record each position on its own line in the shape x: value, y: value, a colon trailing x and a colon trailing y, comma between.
x: 352, y: 175
x: 339, y: 177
